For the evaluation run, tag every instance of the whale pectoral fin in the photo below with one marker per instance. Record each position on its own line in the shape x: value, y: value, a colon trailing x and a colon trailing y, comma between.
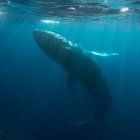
x: 70, y: 81
x: 102, y: 54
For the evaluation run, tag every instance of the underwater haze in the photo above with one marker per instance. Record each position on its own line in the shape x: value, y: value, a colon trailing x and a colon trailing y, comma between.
x: 36, y: 102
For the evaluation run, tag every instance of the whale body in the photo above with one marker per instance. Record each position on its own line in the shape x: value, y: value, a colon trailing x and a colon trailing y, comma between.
x: 80, y: 66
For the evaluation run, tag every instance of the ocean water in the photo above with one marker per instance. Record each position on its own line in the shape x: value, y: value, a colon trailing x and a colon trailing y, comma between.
x: 35, y: 100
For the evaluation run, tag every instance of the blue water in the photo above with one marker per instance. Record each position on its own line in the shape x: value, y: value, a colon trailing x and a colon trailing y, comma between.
x: 35, y: 101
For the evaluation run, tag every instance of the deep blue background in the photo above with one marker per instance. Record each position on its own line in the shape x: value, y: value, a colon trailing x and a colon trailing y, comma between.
x: 35, y: 102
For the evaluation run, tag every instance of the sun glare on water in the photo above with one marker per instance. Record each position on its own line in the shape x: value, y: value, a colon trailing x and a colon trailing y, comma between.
x: 50, y: 21
x: 125, y: 9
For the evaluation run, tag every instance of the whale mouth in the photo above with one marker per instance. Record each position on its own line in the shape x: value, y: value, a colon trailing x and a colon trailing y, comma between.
x: 45, y: 36
x: 37, y: 33
x: 41, y: 32
x: 41, y: 36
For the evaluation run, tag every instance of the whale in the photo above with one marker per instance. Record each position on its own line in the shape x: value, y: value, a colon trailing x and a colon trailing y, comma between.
x: 80, y: 66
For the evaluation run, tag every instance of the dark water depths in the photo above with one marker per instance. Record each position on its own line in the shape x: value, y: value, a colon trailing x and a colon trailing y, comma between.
x: 35, y: 102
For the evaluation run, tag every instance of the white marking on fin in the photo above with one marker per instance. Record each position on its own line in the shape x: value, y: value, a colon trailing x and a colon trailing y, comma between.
x: 103, y: 54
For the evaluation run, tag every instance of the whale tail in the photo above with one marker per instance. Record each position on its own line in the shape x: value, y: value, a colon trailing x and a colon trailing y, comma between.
x: 102, y: 102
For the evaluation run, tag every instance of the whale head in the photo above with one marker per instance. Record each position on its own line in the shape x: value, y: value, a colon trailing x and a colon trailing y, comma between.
x: 54, y: 45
